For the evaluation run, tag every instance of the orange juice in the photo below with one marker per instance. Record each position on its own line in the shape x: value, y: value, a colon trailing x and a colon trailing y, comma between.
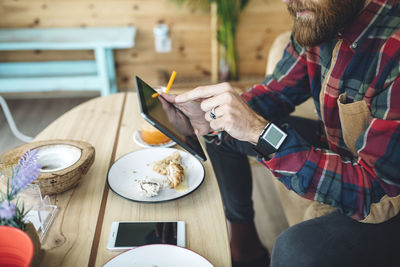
x: 153, y: 136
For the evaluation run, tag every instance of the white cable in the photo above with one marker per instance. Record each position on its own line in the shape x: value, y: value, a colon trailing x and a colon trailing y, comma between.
x: 11, y: 123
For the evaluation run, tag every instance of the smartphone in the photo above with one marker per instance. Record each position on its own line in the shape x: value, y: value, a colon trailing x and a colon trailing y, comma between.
x: 127, y: 235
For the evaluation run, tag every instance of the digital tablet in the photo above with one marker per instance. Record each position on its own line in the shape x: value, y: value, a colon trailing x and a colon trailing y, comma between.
x: 168, y: 119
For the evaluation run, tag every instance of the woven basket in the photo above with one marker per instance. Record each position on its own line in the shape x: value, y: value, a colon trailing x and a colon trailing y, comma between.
x: 55, y: 182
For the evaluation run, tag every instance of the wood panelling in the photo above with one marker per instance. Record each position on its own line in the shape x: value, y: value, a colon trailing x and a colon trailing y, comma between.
x: 260, y: 23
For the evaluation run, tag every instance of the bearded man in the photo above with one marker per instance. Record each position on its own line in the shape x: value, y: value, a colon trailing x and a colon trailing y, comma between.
x: 345, y: 55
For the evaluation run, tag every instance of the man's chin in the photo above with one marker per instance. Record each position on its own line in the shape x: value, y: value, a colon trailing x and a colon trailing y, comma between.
x: 310, y: 37
x: 307, y: 42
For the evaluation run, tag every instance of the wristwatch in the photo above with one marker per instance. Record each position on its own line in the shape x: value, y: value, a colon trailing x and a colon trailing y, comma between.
x: 270, y: 140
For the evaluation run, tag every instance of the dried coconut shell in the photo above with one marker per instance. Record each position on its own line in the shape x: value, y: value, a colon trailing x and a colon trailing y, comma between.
x: 57, y: 181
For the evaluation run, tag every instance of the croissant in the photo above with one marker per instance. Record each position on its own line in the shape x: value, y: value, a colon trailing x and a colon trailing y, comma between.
x: 171, y: 166
x: 162, y: 166
x: 175, y: 174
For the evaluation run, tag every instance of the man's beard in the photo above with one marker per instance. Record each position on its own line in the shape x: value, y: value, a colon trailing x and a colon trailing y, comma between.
x: 326, y: 19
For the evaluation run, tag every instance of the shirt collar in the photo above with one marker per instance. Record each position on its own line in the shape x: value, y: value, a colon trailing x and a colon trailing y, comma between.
x: 359, y: 29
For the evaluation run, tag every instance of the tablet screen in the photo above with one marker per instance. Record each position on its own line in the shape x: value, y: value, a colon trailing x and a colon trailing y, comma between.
x: 168, y: 119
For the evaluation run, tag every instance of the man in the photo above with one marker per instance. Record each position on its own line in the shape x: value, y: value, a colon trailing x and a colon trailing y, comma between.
x: 345, y: 55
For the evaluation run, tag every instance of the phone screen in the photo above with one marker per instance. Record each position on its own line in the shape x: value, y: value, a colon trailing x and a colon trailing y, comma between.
x: 136, y: 234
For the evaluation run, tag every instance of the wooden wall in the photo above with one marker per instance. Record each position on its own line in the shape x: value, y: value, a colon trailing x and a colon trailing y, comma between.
x: 260, y: 23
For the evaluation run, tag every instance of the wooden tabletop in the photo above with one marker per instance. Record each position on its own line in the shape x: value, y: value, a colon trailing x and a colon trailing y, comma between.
x: 79, y: 234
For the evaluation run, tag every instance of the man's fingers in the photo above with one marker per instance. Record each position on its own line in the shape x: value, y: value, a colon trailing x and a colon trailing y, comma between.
x: 202, y: 132
x: 218, y: 112
x: 217, y: 124
x: 203, y: 92
x: 170, y: 98
x: 218, y: 100
x: 165, y: 104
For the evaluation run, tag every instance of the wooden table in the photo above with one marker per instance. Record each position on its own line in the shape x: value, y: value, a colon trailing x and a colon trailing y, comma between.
x: 79, y: 234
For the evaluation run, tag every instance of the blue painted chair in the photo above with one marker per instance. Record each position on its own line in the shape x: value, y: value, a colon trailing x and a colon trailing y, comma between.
x: 97, y: 74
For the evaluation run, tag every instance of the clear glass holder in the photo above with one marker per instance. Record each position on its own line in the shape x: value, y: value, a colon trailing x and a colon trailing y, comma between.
x: 40, y: 210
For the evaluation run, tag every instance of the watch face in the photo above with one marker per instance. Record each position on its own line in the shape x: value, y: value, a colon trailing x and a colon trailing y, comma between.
x: 274, y: 136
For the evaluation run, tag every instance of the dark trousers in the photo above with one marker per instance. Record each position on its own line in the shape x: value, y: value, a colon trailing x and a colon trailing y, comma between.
x: 331, y: 240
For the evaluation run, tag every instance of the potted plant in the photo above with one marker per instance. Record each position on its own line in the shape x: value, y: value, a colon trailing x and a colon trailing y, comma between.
x: 228, y: 12
x: 16, y: 247
x: 14, y: 180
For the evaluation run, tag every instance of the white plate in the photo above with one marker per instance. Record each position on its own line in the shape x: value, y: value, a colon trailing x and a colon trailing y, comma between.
x: 160, y: 255
x: 138, y: 140
x: 137, y: 165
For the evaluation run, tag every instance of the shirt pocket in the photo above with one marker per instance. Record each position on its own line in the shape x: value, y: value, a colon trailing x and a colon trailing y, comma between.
x: 354, y: 119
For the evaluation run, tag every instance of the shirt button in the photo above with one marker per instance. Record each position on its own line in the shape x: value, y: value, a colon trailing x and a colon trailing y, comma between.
x: 354, y: 45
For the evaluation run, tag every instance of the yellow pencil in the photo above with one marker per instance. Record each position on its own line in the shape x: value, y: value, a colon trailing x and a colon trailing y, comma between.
x: 170, y: 82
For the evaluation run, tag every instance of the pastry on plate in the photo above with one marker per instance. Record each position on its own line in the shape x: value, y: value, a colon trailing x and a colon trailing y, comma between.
x: 171, y: 166
x: 161, y: 166
x: 175, y: 174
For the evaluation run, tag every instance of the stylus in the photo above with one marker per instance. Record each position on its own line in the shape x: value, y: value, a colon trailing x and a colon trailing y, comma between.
x: 170, y: 82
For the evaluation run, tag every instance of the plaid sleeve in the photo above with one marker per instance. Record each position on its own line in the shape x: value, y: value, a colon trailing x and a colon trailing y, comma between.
x: 349, y: 184
x: 287, y: 87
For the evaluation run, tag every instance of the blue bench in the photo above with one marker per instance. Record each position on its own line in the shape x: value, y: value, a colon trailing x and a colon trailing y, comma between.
x: 97, y: 74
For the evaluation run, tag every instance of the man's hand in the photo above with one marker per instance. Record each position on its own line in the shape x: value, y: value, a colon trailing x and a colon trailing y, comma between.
x: 232, y: 113
x: 193, y: 111
x: 175, y: 117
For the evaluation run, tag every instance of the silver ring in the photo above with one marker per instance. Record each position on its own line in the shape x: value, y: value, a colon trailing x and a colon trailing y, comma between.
x: 212, y: 114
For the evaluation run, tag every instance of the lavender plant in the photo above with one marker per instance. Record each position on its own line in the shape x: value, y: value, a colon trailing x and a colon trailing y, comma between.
x: 12, y: 212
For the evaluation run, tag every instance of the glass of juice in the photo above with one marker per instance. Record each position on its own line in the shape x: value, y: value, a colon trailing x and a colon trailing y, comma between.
x: 152, y: 135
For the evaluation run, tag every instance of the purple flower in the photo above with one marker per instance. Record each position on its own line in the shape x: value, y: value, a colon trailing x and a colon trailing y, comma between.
x: 7, y: 210
x: 25, y: 172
